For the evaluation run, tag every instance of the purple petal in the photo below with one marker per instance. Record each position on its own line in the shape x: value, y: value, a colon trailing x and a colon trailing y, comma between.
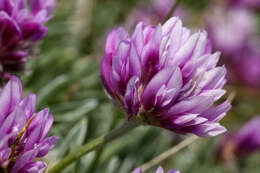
x: 106, y: 66
x: 120, y: 67
x: 185, y: 51
x: 135, y: 68
x: 148, y: 32
x: 137, y: 170
x: 48, y: 121
x: 214, y: 93
x: 33, y: 30
x: 195, y: 104
x: 4, y: 155
x: 7, y: 6
x: 113, y: 40
x: 29, y: 105
x: 38, y: 5
x: 199, y: 50
x: 10, y: 96
x: 131, y: 97
x: 196, y: 121
x: 15, y: 122
x: 150, y: 54
x: 176, y: 37
x: 159, y: 170
x: 34, y: 167
x: 182, y: 119
x: 10, y: 31
x: 215, y: 114
x: 174, y: 171
x: 164, y: 77
x: 41, y: 123
x: 168, y: 25
x: 206, y: 63
x: 207, y: 129
x: 33, y: 138
x: 23, y: 160
x: 211, y: 78
x: 138, y: 38
x: 46, y: 145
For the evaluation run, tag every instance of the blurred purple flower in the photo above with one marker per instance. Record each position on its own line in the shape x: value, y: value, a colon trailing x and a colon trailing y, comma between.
x: 165, y: 76
x: 240, y: 51
x: 243, y: 142
x: 23, y: 132
x: 154, y: 13
x: 230, y: 30
x: 159, y: 170
x: 245, y: 3
x: 22, y: 24
x: 251, y: 3
x: 248, y: 68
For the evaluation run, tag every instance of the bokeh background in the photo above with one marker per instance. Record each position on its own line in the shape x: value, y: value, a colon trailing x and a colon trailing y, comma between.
x: 65, y: 75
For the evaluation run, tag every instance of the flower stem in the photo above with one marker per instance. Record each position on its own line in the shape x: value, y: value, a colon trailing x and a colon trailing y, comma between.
x: 174, y: 7
x: 165, y: 155
x: 104, y: 139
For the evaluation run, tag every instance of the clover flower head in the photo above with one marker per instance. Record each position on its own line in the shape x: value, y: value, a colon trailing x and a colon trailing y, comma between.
x: 242, y: 142
x: 23, y: 136
x: 22, y: 24
x: 165, y: 76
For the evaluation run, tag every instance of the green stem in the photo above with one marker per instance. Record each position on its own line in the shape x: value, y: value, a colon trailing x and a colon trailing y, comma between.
x: 104, y: 139
x: 174, y: 7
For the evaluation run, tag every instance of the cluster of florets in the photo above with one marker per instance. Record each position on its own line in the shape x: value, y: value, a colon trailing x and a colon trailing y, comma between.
x: 165, y: 76
x: 22, y: 24
x: 23, y: 136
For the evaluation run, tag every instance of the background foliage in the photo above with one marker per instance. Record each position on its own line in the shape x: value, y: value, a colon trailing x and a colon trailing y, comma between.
x: 66, y: 77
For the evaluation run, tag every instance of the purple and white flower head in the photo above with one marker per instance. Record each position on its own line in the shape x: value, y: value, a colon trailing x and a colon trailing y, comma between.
x: 159, y: 170
x: 23, y: 136
x: 165, y: 76
x: 245, y: 141
x: 22, y: 24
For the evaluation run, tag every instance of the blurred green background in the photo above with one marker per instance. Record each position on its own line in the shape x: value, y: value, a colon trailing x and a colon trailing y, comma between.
x: 65, y: 75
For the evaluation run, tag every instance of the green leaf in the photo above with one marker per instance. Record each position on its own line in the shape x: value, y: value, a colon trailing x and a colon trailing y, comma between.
x: 78, y: 113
